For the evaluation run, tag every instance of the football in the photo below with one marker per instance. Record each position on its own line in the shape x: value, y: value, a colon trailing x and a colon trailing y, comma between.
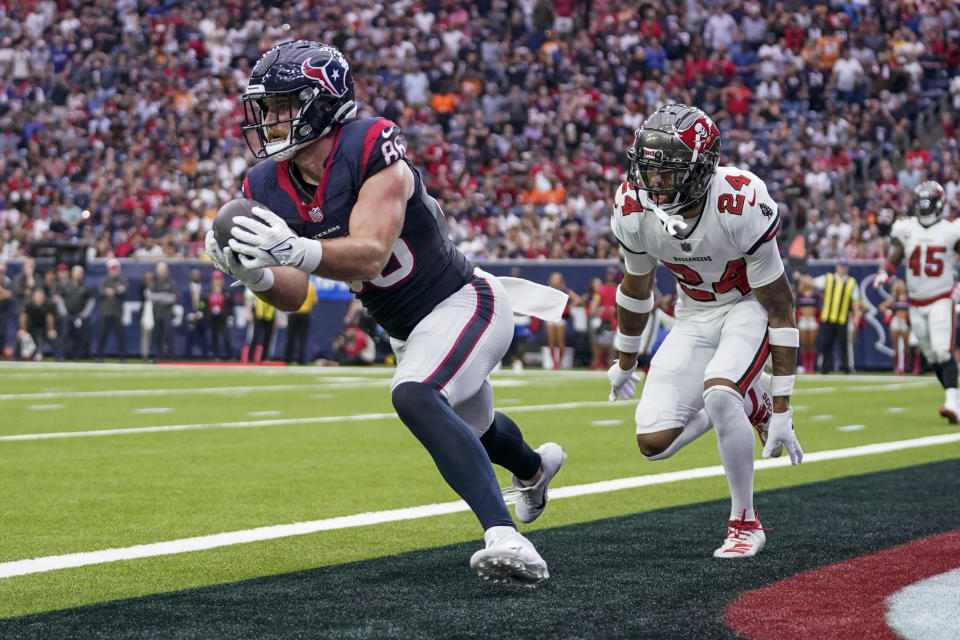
x: 223, y: 221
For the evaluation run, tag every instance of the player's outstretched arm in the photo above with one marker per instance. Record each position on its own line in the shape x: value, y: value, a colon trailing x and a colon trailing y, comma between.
x: 634, y: 304
x: 777, y: 298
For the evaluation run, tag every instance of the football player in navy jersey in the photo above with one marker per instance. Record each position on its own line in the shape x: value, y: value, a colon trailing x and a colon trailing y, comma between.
x: 342, y: 201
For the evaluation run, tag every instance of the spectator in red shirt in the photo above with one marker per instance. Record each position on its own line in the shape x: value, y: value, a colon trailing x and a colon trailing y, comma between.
x: 603, y: 318
x: 917, y: 156
x: 738, y: 98
x: 650, y: 27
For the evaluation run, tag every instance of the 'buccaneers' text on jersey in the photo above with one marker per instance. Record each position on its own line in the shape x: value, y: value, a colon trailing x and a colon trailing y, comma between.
x: 717, y: 259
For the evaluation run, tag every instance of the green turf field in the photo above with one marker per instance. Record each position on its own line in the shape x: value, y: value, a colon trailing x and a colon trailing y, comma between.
x: 110, y: 457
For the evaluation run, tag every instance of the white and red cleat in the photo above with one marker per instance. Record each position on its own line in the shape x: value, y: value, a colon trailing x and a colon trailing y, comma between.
x: 949, y: 414
x: 745, y: 538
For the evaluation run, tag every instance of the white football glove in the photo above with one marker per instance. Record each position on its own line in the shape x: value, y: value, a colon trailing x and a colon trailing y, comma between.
x: 623, y: 384
x: 226, y: 261
x: 272, y: 244
x: 781, y: 434
x: 881, y: 278
x: 215, y: 253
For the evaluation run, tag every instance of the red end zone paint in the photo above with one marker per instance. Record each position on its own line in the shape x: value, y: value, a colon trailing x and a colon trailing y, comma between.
x: 844, y: 600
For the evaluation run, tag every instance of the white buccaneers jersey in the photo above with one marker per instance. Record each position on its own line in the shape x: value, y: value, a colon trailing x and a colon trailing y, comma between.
x: 929, y: 254
x: 730, y: 248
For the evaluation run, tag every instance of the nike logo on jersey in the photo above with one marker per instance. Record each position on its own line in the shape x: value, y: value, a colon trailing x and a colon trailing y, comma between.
x: 388, y: 132
x: 754, y: 200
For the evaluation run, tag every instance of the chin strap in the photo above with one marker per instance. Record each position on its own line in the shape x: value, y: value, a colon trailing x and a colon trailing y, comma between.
x: 673, y: 223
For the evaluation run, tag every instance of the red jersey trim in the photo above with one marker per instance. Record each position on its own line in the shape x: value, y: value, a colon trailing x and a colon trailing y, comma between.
x: 370, y: 139
x: 922, y: 302
x: 283, y: 178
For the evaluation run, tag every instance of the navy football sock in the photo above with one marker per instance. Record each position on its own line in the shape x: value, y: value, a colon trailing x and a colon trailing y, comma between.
x: 948, y: 373
x: 457, y: 452
x: 938, y: 369
x: 505, y: 446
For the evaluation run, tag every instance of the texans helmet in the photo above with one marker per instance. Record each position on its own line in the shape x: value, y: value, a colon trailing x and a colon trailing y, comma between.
x: 674, y: 154
x: 303, y: 86
x: 927, y: 202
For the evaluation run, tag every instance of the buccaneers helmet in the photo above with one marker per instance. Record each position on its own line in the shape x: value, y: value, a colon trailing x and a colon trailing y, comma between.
x: 305, y: 85
x: 675, y: 153
x: 927, y: 202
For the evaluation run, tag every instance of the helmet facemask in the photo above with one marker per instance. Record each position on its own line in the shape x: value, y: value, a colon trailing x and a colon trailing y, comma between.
x: 265, y: 112
x: 682, y: 184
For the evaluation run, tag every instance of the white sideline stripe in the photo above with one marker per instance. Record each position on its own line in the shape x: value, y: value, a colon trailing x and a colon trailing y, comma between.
x: 282, y: 421
x: 326, y: 419
x: 366, y: 382
x: 193, y: 390
x: 199, y: 543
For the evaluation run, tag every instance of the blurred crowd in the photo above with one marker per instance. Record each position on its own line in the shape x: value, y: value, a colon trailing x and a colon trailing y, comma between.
x: 119, y: 119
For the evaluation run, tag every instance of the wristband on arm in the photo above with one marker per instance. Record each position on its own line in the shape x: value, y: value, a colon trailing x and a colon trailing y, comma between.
x: 263, y: 283
x: 784, y: 337
x: 311, y: 257
x: 627, y: 344
x: 781, y: 385
x: 633, y: 304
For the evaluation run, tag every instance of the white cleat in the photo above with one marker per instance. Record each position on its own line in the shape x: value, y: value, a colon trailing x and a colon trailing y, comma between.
x: 508, y: 556
x: 745, y: 538
x: 532, y: 500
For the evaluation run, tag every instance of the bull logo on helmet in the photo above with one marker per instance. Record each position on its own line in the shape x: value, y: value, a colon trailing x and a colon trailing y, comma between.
x: 700, y: 136
x: 330, y: 69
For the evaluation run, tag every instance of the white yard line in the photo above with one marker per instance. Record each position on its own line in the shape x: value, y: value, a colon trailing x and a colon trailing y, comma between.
x: 318, y: 419
x: 199, y: 543
x: 359, y: 417
x: 111, y: 393
x: 897, y: 386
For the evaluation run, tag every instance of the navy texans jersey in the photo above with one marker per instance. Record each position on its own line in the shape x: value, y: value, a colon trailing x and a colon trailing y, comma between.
x: 425, y: 268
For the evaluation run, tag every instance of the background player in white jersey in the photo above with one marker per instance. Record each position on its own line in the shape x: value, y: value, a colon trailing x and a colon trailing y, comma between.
x: 930, y: 245
x: 715, y: 229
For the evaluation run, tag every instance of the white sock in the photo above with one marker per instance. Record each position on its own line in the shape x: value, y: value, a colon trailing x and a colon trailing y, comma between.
x: 698, y: 425
x: 735, y: 439
x: 952, y: 396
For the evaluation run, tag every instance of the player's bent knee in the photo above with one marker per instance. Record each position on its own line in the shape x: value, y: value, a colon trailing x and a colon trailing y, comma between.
x: 412, y: 399
x: 723, y: 403
x: 653, y: 444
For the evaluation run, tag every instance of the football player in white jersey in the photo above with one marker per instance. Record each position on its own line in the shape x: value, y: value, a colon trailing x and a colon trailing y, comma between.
x: 930, y: 245
x: 715, y: 228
